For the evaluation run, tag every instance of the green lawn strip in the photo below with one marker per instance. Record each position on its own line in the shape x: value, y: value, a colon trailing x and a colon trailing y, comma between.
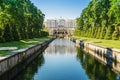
x: 102, y: 42
x: 21, y: 44
x: 3, y: 53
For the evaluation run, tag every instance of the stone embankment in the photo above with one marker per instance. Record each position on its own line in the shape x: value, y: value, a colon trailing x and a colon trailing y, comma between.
x: 11, y: 65
x: 109, y: 56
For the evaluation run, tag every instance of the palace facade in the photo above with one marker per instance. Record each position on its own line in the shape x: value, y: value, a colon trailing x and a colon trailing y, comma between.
x: 60, y: 26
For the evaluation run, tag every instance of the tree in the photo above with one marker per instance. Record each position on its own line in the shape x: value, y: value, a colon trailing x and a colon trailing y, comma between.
x: 109, y: 32
x: 20, y: 19
x: 98, y: 33
x: 1, y: 38
x: 15, y: 33
x: 96, y: 19
x: 115, y: 35
x: 7, y: 35
x: 103, y: 32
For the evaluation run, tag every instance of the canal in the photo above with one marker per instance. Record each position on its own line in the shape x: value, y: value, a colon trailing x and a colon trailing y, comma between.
x: 62, y: 60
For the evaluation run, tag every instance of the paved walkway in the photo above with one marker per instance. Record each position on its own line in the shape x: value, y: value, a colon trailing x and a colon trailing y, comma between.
x: 8, y: 48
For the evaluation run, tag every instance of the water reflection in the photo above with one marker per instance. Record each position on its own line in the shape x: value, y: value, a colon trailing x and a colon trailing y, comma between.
x: 61, y: 46
x: 94, y: 69
x: 63, y: 61
x: 104, y: 58
x: 32, y: 69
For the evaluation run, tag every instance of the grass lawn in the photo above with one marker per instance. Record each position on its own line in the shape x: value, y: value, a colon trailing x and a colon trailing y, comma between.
x: 107, y: 43
x: 21, y: 44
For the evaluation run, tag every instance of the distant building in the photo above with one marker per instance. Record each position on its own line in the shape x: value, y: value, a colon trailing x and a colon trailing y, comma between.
x: 60, y: 26
x: 70, y: 23
x: 51, y: 23
x: 60, y: 22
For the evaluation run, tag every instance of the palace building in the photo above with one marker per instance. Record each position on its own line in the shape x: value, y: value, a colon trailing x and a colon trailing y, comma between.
x: 60, y: 27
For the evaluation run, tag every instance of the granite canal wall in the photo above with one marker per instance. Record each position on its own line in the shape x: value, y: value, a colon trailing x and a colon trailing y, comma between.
x: 108, y: 56
x: 12, y: 64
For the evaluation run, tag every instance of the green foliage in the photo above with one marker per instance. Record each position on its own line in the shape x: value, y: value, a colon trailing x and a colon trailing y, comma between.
x: 115, y: 35
x: 2, y: 39
x: 7, y: 35
x: 19, y: 19
x: 98, y: 33
x: 103, y: 32
x: 109, y: 32
x: 44, y: 33
x: 96, y: 19
x: 15, y: 33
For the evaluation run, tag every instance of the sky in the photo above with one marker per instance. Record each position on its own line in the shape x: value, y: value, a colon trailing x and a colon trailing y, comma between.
x: 55, y: 9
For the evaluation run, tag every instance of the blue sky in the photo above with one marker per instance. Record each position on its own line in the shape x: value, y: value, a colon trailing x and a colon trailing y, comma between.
x: 54, y: 9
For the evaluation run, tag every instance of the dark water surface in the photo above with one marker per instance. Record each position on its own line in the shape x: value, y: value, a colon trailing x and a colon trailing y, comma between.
x: 62, y: 60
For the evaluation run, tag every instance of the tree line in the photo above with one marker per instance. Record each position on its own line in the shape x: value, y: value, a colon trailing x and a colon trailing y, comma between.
x: 20, y: 19
x: 100, y: 19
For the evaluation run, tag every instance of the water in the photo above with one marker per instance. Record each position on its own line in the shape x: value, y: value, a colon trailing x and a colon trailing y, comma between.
x: 62, y: 60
